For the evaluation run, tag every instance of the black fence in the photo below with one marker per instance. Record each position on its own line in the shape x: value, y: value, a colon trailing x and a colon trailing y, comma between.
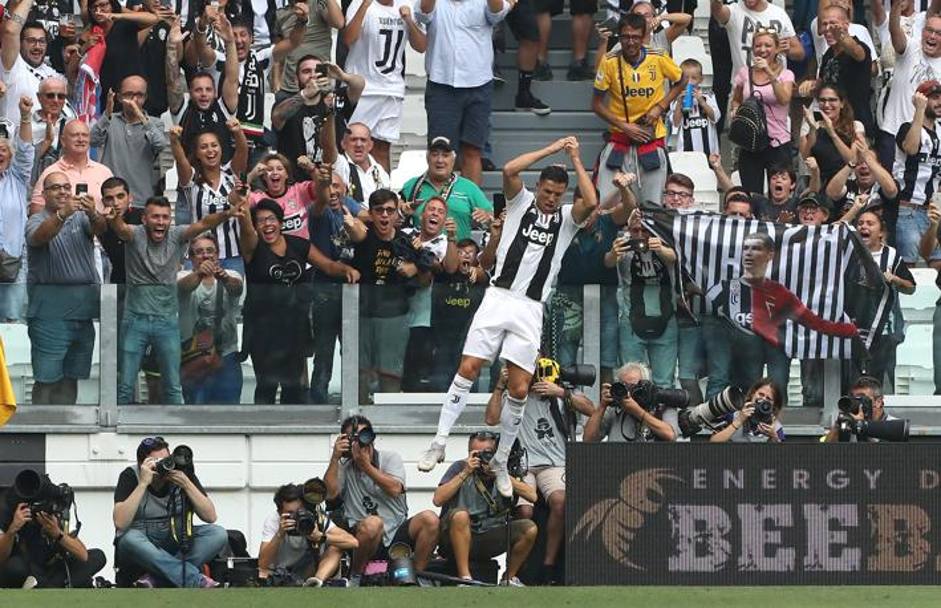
x: 745, y: 514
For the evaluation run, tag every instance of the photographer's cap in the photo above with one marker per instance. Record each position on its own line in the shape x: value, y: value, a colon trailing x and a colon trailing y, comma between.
x: 816, y: 200
x: 442, y: 144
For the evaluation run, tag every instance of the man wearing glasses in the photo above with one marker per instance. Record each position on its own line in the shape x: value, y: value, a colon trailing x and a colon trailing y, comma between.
x: 148, y: 510
x: 49, y: 121
x: 130, y: 141
x: 630, y: 96
x: 383, y: 329
x: 23, y: 47
x: 63, y: 290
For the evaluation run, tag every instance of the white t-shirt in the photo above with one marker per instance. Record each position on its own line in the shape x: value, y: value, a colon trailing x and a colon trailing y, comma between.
x: 911, y: 26
x: 911, y: 69
x: 379, y: 52
x: 292, y: 548
x: 370, y: 180
x: 22, y: 79
x: 743, y: 23
x: 856, y: 30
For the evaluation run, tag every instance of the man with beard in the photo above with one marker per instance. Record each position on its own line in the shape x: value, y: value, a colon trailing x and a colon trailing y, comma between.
x: 435, y: 236
x: 151, y: 317
x: 203, y: 110
x: 23, y: 47
x: 466, y: 202
x: 508, y: 323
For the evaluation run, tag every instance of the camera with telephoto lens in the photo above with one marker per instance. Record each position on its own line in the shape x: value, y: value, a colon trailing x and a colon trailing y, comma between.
x: 693, y: 419
x: 180, y: 460
x: 851, y: 405
x: 764, y: 412
x: 364, y: 438
x: 42, y: 495
x: 648, y: 395
x: 485, y: 456
x: 882, y: 430
x: 570, y: 376
x: 305, y: 522
x: 517, y: 463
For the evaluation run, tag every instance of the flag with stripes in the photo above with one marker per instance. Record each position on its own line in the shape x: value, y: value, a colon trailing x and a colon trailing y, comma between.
x: 827, y: 267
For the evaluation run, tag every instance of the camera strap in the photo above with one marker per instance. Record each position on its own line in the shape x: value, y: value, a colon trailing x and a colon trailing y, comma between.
x: 558, y: 418
x: 495, y: 509
x: 445, y: 192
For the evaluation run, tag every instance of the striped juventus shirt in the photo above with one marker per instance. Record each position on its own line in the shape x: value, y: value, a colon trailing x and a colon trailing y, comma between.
x: 204, y: 200
x: 917, y: 174
x: 528, y: 263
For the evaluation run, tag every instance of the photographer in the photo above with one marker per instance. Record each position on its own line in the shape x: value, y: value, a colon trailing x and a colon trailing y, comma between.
x: 149, y: 503
x: 867, y: 393
x: 545, y: 430
x: 371, y: 484
x: 475, y: 515
x: 37, y: 550
x: 624, y: 419
x: 758, y: 420
x: 308, y: 558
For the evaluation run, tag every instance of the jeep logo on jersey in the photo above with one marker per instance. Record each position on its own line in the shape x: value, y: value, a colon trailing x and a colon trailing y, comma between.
x: 538, y: 235
x: 644, y: 92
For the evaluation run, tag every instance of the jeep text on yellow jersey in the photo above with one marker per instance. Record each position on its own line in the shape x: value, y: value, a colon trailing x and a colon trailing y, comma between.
x: 644, y: 85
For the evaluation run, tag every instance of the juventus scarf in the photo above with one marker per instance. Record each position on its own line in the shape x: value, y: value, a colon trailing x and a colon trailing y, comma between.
x: 831, y: 278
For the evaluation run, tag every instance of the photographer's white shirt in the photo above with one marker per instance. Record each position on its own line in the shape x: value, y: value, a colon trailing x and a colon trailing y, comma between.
x: 292, y: 548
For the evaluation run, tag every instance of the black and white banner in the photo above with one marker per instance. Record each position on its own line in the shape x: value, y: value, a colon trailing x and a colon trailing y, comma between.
x: 827, y: 268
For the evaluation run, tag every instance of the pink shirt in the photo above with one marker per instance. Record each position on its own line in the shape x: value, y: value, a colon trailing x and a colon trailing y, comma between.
x: 94, y: 174
x: 779, y: 130
x: 296, y: 202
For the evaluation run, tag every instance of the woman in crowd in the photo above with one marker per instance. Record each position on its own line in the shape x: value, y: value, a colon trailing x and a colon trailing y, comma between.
x: 16, y: 164
x: 276, y: 332
x: 209, y: 299
x: 295, y: 199
x: 206, y: 184
x: 772, y: 83
x: 759, y: 419
x: 828, y: 135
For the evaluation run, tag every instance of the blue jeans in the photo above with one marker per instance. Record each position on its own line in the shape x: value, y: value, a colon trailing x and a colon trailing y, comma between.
x: 155, y: 552
x: 718, y: 353
x: 163, y: 333
x: 659, y: 353
x: 222, y: 387
x: 909, y: 228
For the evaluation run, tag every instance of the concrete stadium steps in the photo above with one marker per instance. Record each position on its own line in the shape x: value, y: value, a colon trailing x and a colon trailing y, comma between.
x: 558, y: 59
x: 510, y: 144
x: 562, y: 96
x: 561, y: 35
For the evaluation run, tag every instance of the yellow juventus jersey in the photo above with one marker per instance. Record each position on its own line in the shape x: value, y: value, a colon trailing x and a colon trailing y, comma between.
x: 644, y: 85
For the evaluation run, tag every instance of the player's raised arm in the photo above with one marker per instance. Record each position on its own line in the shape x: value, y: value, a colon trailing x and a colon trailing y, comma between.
x: 512, y: 182
x: 588, y: 200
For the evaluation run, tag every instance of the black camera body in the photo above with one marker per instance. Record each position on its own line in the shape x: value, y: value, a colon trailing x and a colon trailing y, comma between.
x: 638, y: 245
x: 485, y: 456
x: 42, y: 495
x: 851, y: 405
x: 305, y: 522
x: 864, y: 430
x: 404, y: 251
x: 763, y: 414
x: 181, y: 459
x: 364, y: 438
x: 648, y: 395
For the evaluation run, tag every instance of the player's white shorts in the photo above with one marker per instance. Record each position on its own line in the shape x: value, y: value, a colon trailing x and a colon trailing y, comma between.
x: 382, y: 114
x: 507, y: 325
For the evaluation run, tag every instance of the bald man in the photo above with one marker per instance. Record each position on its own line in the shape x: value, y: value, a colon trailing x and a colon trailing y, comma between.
x: 130, y: 140
x: 85, y: 175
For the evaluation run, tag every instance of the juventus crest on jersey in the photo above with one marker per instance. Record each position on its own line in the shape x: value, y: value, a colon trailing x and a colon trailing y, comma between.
x: 532, y: 246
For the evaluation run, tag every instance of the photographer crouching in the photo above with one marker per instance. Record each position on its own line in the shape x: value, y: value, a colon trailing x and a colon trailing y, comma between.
x: 758, y: 419
x: 862, y: 416
x: 549, y: 422
x: 299, y: 542
x: 36, y: 547
x: 371, y: 485
x: 475, y: 515
x: 154, y: 503
x: 634, y: 409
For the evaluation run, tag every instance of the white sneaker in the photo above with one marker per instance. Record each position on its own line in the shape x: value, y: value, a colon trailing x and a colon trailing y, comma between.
x: 504, y: 485
x: 431, y: 457
x: 511, y: 582
x: 313, y: 581
x: 30, y: 582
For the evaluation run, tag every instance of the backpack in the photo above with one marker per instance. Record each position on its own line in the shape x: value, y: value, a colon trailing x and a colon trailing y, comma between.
x: 749, y: 126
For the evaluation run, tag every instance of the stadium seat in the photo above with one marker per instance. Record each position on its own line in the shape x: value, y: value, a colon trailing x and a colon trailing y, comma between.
x: 693, y: 47
x: 171, y: 182
x: 919, y: 307
x: 411, y: 164
x: 269, y: 104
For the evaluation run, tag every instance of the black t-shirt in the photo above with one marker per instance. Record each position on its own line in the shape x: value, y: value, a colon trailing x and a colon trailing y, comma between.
x: 766, y: 211
x: 122, y: 57
x: 376, y: 262
x: 114, y: 246
x: 855, y: 77
x: 153, y: 57
x: 453, y: 303
x: 828, y: 157
x: 29, y: 541
x: 301, y: 133
x: 48, y: 13
x: 268, y: 267
x: 128, y: 481
x: 195, y: 121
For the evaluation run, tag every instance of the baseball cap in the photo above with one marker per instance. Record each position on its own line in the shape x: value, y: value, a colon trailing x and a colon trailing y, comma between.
x: 441, y: 143
x: 817, y: 200
x: 929, y: 88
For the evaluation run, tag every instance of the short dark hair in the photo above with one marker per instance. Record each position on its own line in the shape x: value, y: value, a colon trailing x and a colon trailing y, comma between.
x: 873, y: 384
x: 354, y: 422
x: 157, y: 201
x: 381, y: 197
x: 766, y: 241
x: 875, y: 211
x: 244, y: 23
x: 681, y: 179
x: 467, y: 243
x: 782, y: 168
x: 114, y: 182
x: 32, y: 24
x: 777, y: 403
x: 555, y: 173
x: 148, y: 446
x: 633, y: 21
x: 287, y: 493
x: 201, y: 74
x: 307, y: 57
x: 267, y: 204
